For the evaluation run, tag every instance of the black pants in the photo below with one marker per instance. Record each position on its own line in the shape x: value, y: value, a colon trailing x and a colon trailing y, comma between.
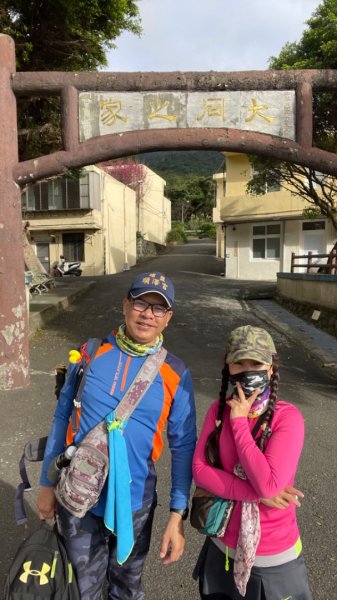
x: 92, y: 550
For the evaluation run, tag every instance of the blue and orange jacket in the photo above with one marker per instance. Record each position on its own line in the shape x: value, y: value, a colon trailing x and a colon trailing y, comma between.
x: 169, y: 403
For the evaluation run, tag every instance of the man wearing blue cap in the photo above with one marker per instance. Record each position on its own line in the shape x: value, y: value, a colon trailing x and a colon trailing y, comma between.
x: 168, y: 403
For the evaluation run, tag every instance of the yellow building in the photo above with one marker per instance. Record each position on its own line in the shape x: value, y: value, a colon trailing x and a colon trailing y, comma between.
x: 94, y: 219
x: 257, y: 234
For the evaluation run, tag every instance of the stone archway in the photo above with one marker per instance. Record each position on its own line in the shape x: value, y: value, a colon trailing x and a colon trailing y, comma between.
x: 212, y: 90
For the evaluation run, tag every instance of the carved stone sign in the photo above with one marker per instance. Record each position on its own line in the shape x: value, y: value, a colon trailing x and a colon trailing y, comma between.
x: 271, y: 112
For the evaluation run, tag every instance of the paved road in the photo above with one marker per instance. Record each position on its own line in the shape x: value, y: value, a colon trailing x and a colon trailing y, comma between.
x: 207, y: 307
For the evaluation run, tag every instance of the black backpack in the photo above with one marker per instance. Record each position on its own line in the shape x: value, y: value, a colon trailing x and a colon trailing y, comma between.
x: 41, y: 569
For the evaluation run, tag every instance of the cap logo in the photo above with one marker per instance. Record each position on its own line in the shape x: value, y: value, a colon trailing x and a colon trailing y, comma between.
x: 151, y: 279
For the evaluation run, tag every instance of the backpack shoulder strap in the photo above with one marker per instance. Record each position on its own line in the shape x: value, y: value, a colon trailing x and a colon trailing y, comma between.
x: 88, y: 355
x: 89, y: 351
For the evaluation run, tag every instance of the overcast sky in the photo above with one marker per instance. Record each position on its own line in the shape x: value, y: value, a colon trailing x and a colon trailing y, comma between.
x: 204, y: 35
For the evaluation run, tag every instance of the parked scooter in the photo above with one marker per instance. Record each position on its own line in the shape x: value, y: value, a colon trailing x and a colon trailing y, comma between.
x: 62, y: 268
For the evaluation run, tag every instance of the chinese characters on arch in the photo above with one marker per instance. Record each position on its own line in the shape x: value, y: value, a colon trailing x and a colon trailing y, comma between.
x: 271, y: 112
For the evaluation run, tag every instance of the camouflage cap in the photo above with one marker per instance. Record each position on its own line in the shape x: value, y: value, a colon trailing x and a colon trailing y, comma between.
x: 252, y: 343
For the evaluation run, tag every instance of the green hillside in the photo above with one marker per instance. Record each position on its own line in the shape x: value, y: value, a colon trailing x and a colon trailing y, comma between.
x: 199, y: 163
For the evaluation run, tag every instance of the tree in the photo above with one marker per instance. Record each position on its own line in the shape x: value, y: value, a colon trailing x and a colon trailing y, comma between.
x: 316, y: 188
x: 60, y: 35
x: 129, y: 172
x: 132, y: 174
x: 317, y: 49
x: 190, y: 195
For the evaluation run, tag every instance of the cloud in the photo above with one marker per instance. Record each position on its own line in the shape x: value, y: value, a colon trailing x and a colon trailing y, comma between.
x: 219, y: 35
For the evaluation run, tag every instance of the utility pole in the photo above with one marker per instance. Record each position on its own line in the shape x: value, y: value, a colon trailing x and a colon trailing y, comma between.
x: 126, y: 262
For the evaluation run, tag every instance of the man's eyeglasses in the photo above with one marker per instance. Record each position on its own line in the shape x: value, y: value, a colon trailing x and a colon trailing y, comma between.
x: 158, y: 310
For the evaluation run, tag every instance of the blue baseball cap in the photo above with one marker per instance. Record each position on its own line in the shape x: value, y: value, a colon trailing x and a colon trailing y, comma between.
x: 153, y: 282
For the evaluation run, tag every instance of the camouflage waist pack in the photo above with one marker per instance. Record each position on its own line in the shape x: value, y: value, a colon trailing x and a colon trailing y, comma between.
x: 80, y: 485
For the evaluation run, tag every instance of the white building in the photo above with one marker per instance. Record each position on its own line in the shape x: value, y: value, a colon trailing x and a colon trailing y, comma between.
x: 94, y: 219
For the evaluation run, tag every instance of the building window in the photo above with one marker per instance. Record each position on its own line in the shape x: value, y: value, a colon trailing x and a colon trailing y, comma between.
x: 73, y: 246
x: 32, y: 198
x: 313, y: 225
x: 268, y: 186
x: 266, y: 241
x: 58, y: 194
x: 84, y: 191
x: 73, y: 194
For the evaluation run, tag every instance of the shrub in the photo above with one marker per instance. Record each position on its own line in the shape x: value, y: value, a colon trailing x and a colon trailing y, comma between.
x: 176, y: 234
x: 207, y: 230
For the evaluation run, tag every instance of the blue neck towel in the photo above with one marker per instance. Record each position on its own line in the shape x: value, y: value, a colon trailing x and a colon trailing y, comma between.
x: 118, y: 513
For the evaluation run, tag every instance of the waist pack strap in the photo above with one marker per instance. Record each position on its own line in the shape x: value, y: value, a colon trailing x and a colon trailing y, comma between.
x: 140, y: 384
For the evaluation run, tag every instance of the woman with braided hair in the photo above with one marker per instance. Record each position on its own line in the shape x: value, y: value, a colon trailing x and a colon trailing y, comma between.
x: 259, y: 556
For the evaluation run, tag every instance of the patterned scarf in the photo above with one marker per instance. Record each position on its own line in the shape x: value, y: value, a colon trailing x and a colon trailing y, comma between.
x: 249, y: 537
x: 133, y: 348
x: 250, y: 528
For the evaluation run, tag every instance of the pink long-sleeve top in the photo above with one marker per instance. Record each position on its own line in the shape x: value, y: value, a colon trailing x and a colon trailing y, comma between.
x: 267, y: 472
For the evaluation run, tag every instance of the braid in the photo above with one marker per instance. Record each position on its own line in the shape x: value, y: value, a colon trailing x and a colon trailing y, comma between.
x: 212, y: 444
x: 272, y: 402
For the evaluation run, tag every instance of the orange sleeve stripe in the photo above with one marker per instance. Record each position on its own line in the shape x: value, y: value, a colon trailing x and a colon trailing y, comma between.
x: 70, y: 432
x: 170, y: 384
x: 103, y: 349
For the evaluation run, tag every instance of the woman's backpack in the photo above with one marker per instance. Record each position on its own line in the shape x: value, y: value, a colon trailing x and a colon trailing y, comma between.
x: 41, y: 569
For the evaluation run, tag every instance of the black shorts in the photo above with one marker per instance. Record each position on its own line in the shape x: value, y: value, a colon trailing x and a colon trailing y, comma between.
x: 288, y: 581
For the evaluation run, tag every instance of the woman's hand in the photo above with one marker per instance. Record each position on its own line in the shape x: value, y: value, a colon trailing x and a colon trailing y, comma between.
x: 240, y: 405
x: 289, y: 495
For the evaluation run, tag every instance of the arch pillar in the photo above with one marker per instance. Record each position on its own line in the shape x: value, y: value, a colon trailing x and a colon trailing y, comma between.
x: 14, y: 361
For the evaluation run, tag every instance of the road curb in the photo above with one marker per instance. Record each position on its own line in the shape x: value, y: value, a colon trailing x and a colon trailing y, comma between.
x: 48, y: 307
x: 325, y: 359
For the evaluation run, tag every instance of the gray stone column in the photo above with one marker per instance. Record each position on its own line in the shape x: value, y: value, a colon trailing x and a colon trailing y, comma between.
x: 14, y: 361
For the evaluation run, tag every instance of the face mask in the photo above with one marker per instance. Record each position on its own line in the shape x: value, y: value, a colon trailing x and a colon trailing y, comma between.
x: 251, y: 381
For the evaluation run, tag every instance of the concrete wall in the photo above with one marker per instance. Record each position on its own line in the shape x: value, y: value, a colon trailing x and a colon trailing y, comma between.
x: 154, y: 210
x: 240, y: 263
x: 119, y: 217
x: 237, y: 204
x: 320, y: 291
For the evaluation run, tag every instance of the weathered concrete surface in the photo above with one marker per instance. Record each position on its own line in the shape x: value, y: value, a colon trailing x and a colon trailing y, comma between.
x: 13, y: 316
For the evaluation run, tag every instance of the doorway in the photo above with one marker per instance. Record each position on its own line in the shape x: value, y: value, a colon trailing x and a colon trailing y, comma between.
x: 42, y: 253
x: 314, y: 240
